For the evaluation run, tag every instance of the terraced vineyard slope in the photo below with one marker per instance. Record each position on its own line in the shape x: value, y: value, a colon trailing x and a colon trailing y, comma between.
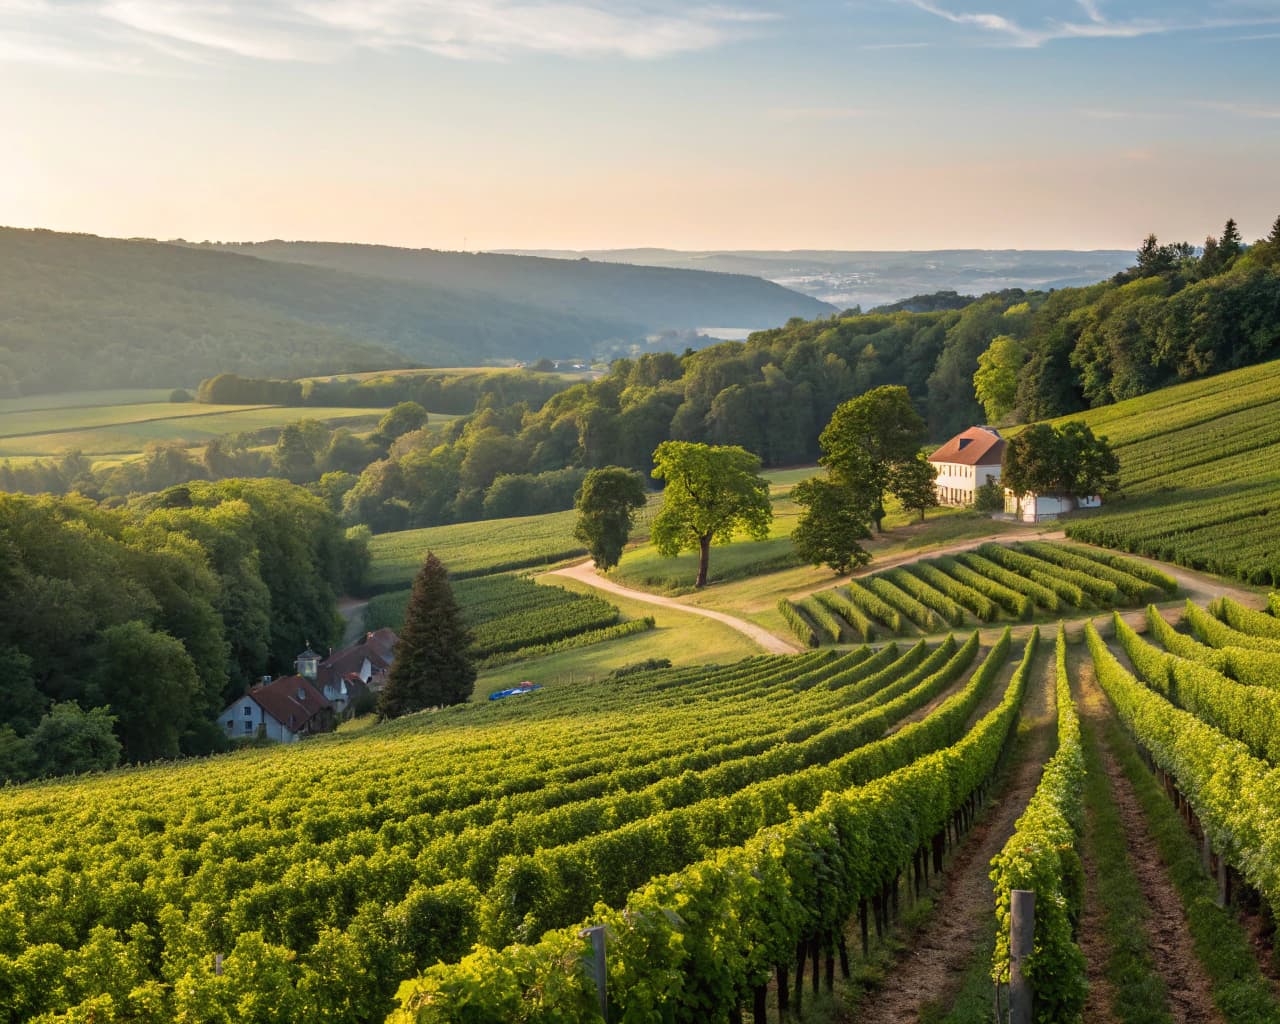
x: 513, y: 618
x: 1200, y: 475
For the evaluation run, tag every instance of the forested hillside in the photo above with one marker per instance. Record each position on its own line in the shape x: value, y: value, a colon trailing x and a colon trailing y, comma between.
x: 651, y: 298
x: 160, y: 611
x: 79, y: 311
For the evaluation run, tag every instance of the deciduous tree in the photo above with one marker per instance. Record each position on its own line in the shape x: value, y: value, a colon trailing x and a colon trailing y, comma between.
x: 1066, y: 461
x: 913, y: 484
x: 867, y: 437
x: 996, y: 381
x: 711, y: 493
x: 433, y: 666
x: 607, y: 505
x: 834, y: 519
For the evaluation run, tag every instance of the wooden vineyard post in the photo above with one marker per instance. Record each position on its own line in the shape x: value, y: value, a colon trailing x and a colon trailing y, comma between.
x: 596, y: 935
x: 1022, y: 933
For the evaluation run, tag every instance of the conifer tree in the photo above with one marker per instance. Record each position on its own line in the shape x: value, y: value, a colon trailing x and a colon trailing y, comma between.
x: 433, y: 666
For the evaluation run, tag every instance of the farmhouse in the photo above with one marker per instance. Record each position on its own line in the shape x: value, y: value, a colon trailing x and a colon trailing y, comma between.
x: 284, y: 710
x: 965, y: 463
x: 346, y: 675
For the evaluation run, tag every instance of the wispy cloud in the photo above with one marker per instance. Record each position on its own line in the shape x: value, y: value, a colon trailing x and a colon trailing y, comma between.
x: 326, y: 30
x: 894, y: 46
x: 1095, y: 26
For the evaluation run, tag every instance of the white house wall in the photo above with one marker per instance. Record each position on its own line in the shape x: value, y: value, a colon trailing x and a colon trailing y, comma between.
x: 246, y: 715
x: 958, y: 485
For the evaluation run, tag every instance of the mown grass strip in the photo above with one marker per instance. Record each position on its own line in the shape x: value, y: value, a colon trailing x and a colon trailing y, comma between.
x: 1139, y: 993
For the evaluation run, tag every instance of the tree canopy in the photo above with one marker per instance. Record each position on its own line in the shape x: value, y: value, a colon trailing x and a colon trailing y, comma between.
x: 607, y: 505
x: 867, y: 438
x: 711, y: 493
x: 835, y: 518
x: 1067, y: 460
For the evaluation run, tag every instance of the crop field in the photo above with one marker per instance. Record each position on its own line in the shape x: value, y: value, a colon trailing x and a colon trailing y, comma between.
x: 1200, y: 475
x: 474, y: 549
x: 741, y: 801
x: 118, y: 424
x: 512, y: 618
x: 995, y: 582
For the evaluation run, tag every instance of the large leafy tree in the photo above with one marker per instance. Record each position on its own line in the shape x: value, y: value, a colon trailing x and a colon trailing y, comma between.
x: 607, y: 505
x: 433, y: 666
x: 1068, y: 461
x: 711, y: 494
x: 867, y: 437
x: 835, y: 518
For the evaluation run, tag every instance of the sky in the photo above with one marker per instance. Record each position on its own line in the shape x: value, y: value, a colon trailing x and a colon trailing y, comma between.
x: 737, y: 124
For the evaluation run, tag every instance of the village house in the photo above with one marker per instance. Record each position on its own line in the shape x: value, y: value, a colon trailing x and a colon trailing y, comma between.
x: 284, y: 710
x: 965, y: 463
x: 324, y: 691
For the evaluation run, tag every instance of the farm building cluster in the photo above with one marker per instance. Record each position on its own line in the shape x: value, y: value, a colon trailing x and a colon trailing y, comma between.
x: 323, y: 692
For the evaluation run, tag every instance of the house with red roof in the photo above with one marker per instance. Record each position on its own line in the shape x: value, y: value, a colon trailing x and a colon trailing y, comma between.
x: 346, y: 675
x: 323, y: 691
x: 966, y: 462
x: 284, y: 710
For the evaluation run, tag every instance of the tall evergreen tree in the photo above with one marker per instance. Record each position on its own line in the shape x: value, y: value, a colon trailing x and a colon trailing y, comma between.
x: 1231, y: 244
x: 433, y: 664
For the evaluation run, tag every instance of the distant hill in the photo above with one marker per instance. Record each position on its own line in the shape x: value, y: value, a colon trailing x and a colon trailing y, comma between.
x: 871, y: 278
x: 649, y: 298
x: 81, y: 311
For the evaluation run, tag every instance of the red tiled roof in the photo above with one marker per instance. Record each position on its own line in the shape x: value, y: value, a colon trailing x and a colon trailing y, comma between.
x: 290, y: 700
x: 977, y: 446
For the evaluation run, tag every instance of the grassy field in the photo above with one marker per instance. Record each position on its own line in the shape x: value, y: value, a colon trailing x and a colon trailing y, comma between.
x: 474, y: 549
x: 78, y: 399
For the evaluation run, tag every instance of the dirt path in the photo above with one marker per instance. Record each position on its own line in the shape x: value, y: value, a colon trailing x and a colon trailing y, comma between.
x: 585, y: 572
x: 932, y: 969
x: 1190, y: 993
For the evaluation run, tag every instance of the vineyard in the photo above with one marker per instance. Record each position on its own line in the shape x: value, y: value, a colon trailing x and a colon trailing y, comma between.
x: 1199, y: 475
x: 791, y: 789
x: 996, y: 582
x: 512, y: 618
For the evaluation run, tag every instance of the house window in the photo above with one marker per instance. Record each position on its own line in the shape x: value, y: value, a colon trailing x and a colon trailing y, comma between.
x: 231, y: 724
x: 248, y: 728
x: 248, y: 712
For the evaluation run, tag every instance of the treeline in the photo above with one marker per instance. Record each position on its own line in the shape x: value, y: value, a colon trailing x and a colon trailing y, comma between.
x: 1175, y: 315
x: 771, y: 394
x: 441, y: 391
x: 126, y: 630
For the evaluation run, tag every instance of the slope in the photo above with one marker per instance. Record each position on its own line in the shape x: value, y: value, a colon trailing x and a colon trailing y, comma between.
x: 650, y: 298
x: 1200, y: 475
x: 79, y: 310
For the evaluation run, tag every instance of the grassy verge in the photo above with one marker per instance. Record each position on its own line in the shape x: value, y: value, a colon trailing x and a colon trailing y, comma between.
x: 1139, y: 993
x: 1239, y: 989
x: 973, y: 1003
